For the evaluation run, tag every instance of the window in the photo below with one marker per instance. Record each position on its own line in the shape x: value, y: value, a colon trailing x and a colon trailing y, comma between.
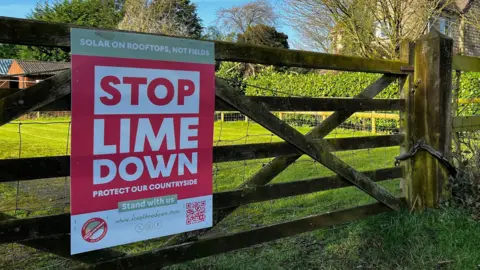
x: 379, y: 31
x: 442, y: 24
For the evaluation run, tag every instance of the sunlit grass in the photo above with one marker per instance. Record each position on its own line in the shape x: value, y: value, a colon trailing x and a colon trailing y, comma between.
x: 373, y: 243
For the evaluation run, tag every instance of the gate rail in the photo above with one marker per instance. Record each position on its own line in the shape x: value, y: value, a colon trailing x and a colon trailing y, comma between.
x: 51, y: 232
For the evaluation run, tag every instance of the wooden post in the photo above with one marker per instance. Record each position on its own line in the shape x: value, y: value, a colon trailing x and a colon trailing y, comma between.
x: 406, y: 86
x: 222, y: 116
x: 429, y: 119
x: 457, y: 152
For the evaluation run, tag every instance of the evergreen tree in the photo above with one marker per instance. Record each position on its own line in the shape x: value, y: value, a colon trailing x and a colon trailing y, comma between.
x: 92, y: 13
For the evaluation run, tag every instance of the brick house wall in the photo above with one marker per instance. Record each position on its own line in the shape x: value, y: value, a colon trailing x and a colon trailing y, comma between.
x: 455, y: 34
x: 465, y: 33
x: 472, y: 32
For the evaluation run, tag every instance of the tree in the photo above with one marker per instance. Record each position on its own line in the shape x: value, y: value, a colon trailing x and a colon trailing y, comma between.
x: 169, y: 17
x: 214, y: 33
x: 253, y: 23
x: 93, y: 13
x: 258, y: 35
x: 263, y: 35
x: 239, y: 18
x: 369, y: 28
x: 8, y: 51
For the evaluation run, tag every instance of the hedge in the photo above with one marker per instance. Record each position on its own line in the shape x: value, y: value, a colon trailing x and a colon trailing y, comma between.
x: 330, y: 84
x: 336, y: 84
x: 469, y: 88
x: 270, y: 82
x: 344, y: 84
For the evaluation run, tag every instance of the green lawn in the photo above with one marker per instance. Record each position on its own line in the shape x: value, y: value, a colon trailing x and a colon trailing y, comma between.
x: 50, y: 138
x: 369, y: 243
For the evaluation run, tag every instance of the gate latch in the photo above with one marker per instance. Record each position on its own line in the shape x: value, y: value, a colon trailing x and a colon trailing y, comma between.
x: 422, y: 145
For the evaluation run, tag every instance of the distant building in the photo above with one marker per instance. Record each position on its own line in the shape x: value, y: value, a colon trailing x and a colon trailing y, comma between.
x: 30, y: 72
x: 4, y: 66
x: 459, y: 19
x: 454, y: 22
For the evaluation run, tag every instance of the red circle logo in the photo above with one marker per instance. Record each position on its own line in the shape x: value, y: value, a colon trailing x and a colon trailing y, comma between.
x: 94, y: 230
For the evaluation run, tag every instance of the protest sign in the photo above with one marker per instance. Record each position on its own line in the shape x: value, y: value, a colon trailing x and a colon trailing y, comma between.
x: 142, y: 133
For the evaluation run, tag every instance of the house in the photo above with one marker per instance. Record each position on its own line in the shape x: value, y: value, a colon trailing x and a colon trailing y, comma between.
x: 458, y: 19
x: 29, y: 72
x: 461, y: 22
x: 25, y: 73
x: 4, y: 66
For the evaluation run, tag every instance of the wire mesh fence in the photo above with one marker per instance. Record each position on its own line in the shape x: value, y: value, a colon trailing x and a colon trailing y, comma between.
x: 48, y: 134
x: 466, y: 107
x: 466, y: 140
x: 229, y: 175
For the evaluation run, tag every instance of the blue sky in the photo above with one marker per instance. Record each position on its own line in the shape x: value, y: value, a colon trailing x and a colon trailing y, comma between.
x: 206, y: 9
x: 16, y: 8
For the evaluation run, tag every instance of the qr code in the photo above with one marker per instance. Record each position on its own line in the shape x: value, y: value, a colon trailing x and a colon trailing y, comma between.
x: 196, y: 212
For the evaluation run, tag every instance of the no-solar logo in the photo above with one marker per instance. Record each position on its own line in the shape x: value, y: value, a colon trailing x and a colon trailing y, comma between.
x: 94, y: 230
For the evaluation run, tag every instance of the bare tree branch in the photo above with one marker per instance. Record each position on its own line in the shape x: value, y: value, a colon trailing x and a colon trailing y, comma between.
x: 354, y: 26
x: 238, y: 18
x: 170, y: 17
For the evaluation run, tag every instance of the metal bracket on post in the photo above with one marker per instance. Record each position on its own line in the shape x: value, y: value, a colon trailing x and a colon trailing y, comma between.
x: 407, y: 68
x: 438, y: 155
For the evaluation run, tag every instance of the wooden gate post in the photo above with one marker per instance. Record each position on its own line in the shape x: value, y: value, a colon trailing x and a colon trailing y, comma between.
x: 429, y: 120
x: 407, y: 54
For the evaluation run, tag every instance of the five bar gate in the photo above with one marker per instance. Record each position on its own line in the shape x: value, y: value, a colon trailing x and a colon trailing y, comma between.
x: 50, y: 233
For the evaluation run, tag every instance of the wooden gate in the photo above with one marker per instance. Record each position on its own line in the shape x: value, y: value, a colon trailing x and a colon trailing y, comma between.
x: 50, y: 233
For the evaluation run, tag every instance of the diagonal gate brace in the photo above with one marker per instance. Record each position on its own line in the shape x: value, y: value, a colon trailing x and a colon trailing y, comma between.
x: 279, y: 164
x: 316, y: 150
x: 34, y: 97
x: 268, y: 172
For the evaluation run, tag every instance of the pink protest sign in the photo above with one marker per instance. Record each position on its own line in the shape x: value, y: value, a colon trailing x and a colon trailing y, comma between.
x: 142, y: 132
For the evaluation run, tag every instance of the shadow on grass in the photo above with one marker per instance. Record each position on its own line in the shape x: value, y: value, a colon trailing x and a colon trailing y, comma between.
x: 435, y: 239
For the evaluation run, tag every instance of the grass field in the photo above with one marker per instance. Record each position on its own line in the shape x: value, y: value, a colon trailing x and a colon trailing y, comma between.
x: 390, y: 241
x: 50, y: 138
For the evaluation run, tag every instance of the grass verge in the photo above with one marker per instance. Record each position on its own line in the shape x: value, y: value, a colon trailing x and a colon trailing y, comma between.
x: 390, y: 241
x: 435, y: 239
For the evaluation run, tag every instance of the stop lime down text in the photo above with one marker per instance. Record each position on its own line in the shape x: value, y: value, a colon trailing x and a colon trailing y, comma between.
x: 157, y: 166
